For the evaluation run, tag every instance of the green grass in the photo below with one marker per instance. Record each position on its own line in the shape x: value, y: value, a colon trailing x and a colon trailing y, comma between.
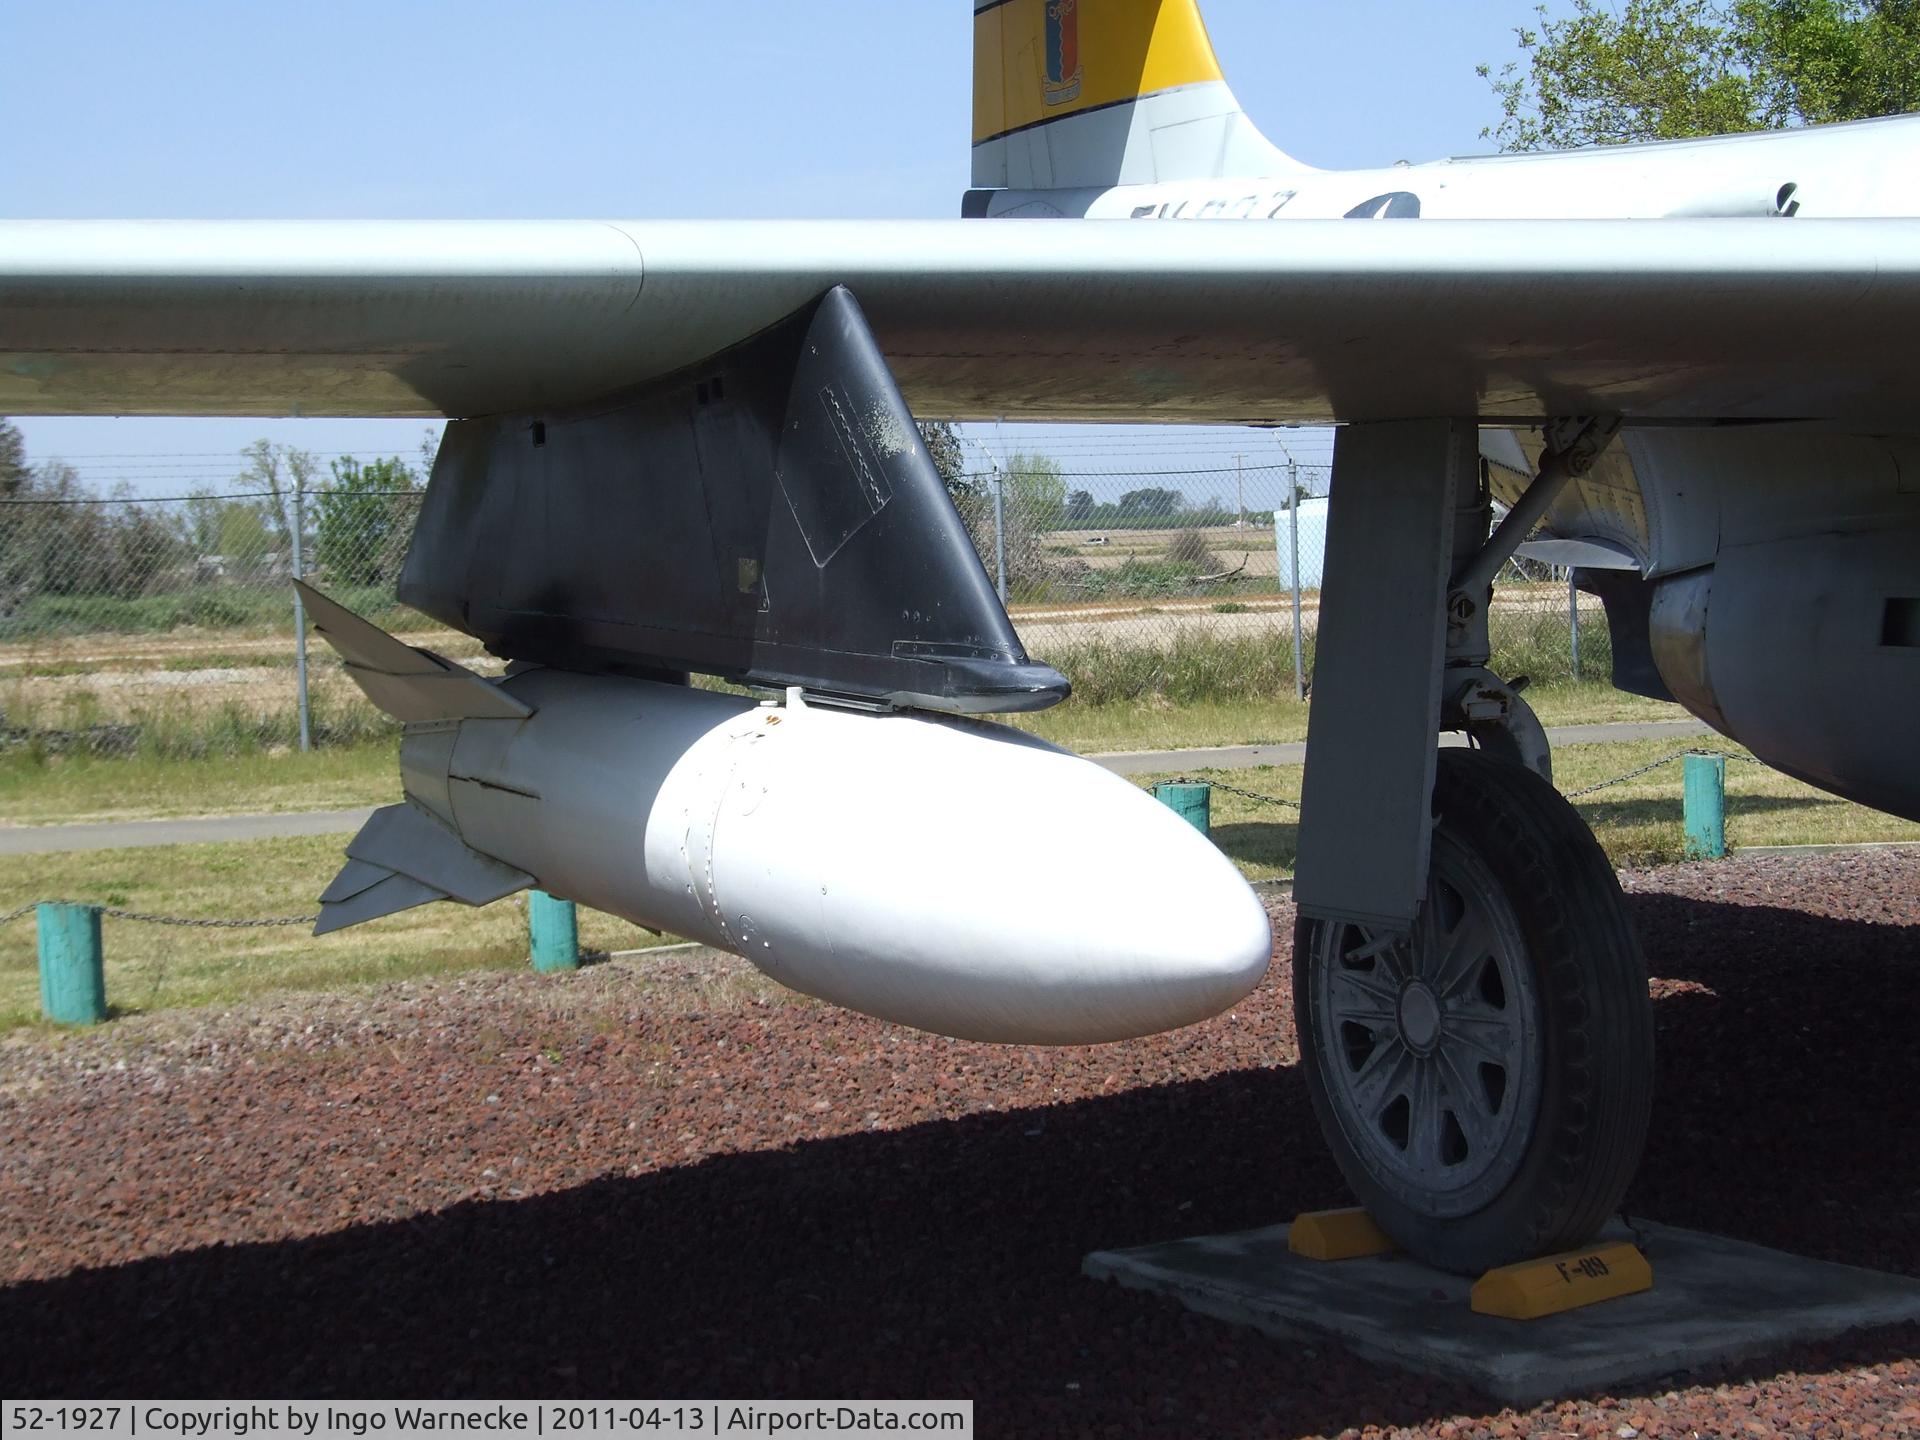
x: 1224, y: 668
x: 74, y: 789
x: 238, y: 608
x: 185, y: 727
x: 151, y: 967
x: 247, y: 775
x: 1637, y: 823
x: 1157, y: 723
x: 1199, y: 670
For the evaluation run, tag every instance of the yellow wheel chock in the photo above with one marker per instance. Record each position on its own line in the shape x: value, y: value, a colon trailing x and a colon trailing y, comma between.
x: 1337, y: 1235
x: 1567, y: 1281
x: 1529, y: 1290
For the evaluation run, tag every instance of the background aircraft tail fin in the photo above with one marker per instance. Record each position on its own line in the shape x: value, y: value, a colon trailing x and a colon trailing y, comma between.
x: 1071, y: 94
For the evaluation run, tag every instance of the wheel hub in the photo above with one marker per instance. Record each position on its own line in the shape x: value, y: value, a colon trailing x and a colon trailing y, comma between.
x: 1434, y: 1042
x: 1419, y: 1017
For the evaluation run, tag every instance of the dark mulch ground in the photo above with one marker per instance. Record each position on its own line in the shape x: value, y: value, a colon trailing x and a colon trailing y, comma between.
x: 642, y: 1184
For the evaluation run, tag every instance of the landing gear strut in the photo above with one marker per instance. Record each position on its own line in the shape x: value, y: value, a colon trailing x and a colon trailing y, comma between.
x: 1471, y: 1003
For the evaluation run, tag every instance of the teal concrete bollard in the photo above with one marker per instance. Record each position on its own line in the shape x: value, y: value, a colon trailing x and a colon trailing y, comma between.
x: 73, y: 978
x: 1192, y: 803
x: 555, y: 927
x: 1706, y: 807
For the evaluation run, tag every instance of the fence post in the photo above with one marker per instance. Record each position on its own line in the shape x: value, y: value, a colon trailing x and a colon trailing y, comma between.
x: 73, y: 980
x: 300, y: 620
x: 1293, y: 526
x: 1279, y: 554
x: 1706, y: 807
x: 1573, y: 621
x: 1192, y: 803
x: 554, y: 928
x: 1000, y: 532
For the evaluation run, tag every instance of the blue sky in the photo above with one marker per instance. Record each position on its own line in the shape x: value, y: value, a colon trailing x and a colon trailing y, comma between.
x: 647, y: 108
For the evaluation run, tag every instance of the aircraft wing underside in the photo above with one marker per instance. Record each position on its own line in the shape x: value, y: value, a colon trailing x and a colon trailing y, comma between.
x: 1307, y: 322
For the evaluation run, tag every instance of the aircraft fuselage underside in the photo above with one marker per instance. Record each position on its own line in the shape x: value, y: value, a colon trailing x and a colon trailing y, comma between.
x: 1767, y: 577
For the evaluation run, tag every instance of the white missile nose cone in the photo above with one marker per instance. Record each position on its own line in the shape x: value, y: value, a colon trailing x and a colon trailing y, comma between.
x: 988, y: 886
x: 1172, y: 933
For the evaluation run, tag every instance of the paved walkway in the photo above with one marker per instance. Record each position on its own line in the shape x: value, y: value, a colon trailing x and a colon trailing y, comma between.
x: 206, y: 830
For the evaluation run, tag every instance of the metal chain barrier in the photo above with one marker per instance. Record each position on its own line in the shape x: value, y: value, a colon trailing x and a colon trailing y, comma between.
x: 1253, y: 795
x: 143, y: 918
x: 1635, y: 774
x: 1648, y: 769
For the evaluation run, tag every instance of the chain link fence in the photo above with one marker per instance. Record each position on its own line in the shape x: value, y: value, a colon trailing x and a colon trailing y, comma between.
x: 166, y: 625
x: 1205, y: 584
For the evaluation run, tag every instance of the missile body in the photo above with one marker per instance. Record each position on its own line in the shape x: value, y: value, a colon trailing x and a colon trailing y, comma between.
x: 945, y: 873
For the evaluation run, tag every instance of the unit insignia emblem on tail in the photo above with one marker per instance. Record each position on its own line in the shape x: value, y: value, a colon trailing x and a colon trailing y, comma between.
x: 1064, y: 69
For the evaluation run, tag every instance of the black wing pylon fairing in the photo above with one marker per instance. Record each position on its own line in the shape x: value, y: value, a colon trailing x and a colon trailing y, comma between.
x: 771, y: 516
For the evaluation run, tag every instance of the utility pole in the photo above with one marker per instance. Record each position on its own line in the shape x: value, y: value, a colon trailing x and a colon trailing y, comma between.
x: 1240, y: 484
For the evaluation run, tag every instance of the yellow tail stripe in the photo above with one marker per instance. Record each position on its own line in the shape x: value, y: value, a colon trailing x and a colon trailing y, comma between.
x: 1126, y: 48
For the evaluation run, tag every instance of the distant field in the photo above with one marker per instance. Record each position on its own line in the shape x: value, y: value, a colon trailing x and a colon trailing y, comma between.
x: 1248, y: 552
x: 193, y: 692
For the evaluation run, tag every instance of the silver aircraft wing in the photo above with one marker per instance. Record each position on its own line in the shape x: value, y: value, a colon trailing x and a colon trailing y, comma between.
x: 1672, y: 320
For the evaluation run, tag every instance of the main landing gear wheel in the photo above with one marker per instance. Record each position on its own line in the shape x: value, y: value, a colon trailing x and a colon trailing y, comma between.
x: 1485, y: 1083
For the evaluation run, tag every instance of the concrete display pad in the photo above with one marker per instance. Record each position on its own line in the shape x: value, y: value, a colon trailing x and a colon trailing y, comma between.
x: 1713, y: 1300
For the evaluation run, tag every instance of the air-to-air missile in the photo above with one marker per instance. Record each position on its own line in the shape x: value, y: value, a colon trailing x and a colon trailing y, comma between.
x: 944, y: 872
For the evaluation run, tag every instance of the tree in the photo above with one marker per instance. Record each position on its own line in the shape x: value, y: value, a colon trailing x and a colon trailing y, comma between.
x: 1036, y: 491
x: 275, y: 472
x: 943, y: 443
x: 1150, y: 503
x: 1673, y: 69
x: 1080, y: 508
x: 362, y: 521
x: 13, y: 458
x: 58, y: 538
x: 1824, y: 60
x: 61, y: 545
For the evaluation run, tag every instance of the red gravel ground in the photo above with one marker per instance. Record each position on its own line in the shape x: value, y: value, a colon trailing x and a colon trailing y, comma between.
x: 670, y: 1182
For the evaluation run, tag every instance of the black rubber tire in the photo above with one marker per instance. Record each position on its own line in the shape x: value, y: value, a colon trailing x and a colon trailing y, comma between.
x: 1596, y: 1093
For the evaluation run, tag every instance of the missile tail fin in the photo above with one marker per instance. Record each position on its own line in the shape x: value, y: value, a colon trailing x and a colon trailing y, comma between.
x: 404, y: 857
x: 406, y: 682
x: 387, y: 896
